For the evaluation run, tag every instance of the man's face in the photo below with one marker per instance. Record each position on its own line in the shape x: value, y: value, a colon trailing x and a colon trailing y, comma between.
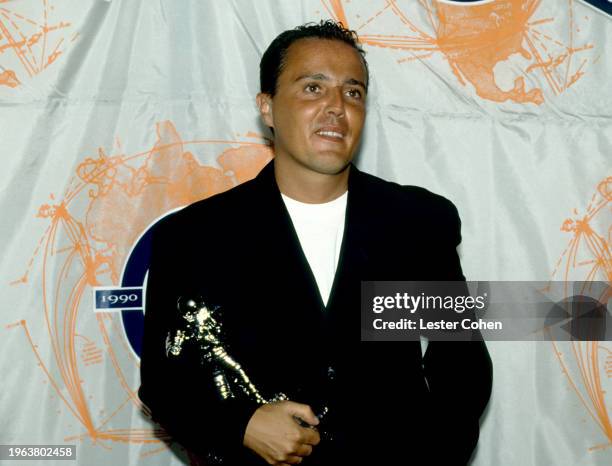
x: 319, y: 107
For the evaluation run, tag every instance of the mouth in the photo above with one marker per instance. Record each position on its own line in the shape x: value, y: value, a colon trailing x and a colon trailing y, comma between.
x: 331, y: 133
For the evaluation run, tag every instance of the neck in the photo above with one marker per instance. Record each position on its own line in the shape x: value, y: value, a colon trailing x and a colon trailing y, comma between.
x: 307, y: 186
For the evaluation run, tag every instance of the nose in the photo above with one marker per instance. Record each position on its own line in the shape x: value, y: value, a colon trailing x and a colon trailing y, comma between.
x: 335, y: 102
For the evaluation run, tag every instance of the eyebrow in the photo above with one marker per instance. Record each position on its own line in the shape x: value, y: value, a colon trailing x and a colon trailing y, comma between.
x: 322, y: 77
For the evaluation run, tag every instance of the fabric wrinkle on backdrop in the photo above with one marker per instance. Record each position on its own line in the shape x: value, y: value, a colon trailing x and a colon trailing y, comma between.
x: 115, y: 113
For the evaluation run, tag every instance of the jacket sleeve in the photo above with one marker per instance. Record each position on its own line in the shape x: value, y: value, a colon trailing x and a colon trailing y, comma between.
x: 458, y: 374
x: 180, y: 392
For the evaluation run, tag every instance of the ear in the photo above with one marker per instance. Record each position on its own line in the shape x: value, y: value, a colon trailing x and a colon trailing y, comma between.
x: 264, y: 102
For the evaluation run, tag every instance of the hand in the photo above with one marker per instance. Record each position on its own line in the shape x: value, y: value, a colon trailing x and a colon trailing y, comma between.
x: 275, y: 435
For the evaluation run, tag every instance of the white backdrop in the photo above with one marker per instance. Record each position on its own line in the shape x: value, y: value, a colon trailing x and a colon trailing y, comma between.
x: 114, y: 112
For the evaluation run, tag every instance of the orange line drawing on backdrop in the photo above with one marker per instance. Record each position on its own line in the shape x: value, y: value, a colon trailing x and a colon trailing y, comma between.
x: 588, y: 257
x: 8, y: 78
x: 474, y: 39
x: 28, y: 39
x: 105, y: 208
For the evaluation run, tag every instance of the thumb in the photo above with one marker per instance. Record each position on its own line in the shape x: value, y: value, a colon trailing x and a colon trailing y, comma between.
x: 302, y: 411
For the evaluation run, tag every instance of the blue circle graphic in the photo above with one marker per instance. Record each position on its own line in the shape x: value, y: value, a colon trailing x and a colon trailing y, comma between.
x: 134, y: 274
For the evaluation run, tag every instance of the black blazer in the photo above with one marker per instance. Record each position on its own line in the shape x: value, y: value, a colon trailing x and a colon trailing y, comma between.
x: 388, y: 404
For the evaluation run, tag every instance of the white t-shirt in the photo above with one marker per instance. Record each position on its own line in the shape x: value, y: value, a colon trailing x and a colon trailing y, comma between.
x: 320, y: 228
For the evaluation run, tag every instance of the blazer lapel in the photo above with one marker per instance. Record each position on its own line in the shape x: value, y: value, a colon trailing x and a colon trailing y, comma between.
x: 353, y: 253
x: 287, y: 254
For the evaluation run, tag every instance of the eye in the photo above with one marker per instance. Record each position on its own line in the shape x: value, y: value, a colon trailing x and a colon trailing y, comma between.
x: 312, y: 88
x: 354, y: 93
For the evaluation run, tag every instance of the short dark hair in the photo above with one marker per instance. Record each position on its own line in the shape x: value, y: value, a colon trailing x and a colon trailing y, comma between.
x: 274, y: 58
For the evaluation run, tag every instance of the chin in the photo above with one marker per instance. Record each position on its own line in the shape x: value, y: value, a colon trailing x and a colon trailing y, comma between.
x: 331, y: 165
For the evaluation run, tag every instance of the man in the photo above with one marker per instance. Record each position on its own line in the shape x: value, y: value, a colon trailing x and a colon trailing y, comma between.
x: 283, y: 257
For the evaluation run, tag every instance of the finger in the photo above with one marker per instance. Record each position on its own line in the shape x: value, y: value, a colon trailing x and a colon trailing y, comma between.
x: 301, y: 422
x: 304, y: 412
x: 294, y: 460
x: 304, y: 450
x: 310, y: 436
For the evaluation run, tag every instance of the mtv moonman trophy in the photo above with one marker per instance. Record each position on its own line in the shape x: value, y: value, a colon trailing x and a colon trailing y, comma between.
x: 201, y: 326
